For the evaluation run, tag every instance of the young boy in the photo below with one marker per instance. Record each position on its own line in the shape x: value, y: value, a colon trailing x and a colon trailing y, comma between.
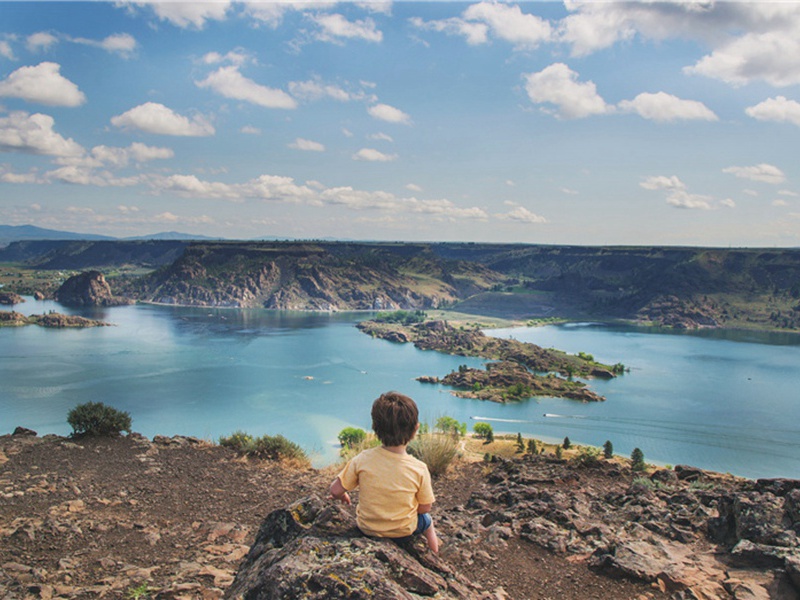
x: 395, y: 488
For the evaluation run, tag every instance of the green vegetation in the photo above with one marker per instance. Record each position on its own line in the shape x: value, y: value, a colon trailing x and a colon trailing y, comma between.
x: 351, y: 436
x: 451, y: 426
x: 95, y: 418
x: 520, y: 444
x: 403, y: 317
x: 435, y: 450
x: 483, y: 430
x: 608, y: 449
x: 588, y: 455
x: 566, y: 444
x: 559, y: 452
x: 637, y: 460
x: 532, y: 449
x: 270, y: 447
x: 140, y: 592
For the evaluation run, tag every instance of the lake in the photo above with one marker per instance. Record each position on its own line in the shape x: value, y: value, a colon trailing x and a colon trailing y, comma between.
x: 726, y: 401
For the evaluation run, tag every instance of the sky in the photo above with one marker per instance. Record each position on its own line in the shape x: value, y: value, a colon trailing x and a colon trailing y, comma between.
x: 613, y: 123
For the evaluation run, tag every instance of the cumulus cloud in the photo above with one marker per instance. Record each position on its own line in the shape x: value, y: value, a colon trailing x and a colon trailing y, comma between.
x: 189, y: 14
x: 777, y: 109
x: 384, y: 112
x: 335, y: 28
x: 503, y: 21
x: 380, y: 137
x: 521, y: 215
x: 250, y: 130
x: 661, y: 182
x: 152, y: 117
x: 780, y: 203
x: 42, y: 84
x: 232, y: 57
x: 40, y: 41
x: 728, y: 203
x: 413, y: 187
x: 372, y: 155
x: 78, y: 175
x: 228, y: 82
x: 6, y: 51
x: 33, y: 134
x: 558, y: 85
x: 665, y: 107
x: 314, y: 89
x: 763, y: 172
x: 677, y: 194
x: 136, y: 152
x: 307, y: 145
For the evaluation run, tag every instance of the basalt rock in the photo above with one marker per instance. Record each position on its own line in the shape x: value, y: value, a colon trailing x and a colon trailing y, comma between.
x: 10, y: 298
x: 87, y: 289
x: 312, y: 549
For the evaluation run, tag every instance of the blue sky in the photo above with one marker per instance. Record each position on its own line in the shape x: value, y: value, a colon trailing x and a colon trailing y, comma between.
x: 568, y: 123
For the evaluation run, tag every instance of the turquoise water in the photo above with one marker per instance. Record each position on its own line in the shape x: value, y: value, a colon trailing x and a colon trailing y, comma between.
x: 722, y: 401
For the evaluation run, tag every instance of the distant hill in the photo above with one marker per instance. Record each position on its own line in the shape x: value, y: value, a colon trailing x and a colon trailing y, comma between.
x: 88, y: 254
x: 15, y: 233
x: 171, y: 235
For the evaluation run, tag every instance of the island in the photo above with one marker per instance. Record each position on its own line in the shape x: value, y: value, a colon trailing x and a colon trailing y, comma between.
x: 519, y: 370
x: 54, y: 320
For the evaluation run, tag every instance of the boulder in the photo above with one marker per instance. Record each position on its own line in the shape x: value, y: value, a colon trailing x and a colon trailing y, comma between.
x: 313, y: 549
x: 10, y: 298
x: 87, y: 289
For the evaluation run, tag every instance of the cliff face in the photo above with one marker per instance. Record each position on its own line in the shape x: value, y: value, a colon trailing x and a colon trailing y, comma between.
x: 87, y: 289
x: 312, y: 277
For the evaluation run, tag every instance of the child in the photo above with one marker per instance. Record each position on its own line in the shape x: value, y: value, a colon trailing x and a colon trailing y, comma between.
x: 395, y: 488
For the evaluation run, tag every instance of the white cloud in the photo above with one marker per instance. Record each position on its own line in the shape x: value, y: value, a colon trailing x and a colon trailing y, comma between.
x: 383, y: 7
x: 40, y: 41
x: 777, y: 109
x: 763, y: 172
x: 509, y: 23
x: 250, y: 130
x: 559, y: 85
x: 314, y: 89
x: 123, y: 44
x: 136, y: 152
x: 334, y: 28
x: 33, y: 134
x: 153, y: 117
x: 665, y: 107
x: 6, y: 51
x: 42, y: 84
x: 228, y: 82
x: 683, y: 199
x: 372, y: 155
x: 521, y: 215
x: 413, y: 187
x: 384, y: 112
x: 189, y: 14
x: 661, y: 182
x: 307, y: 145
x: 78, y: 175
x: 380, y: 137
x: 789, y: 193
x: 233, y: 57
x: 780, y: 203
x: 729, y: 203
x: 475, y: 33
x: 7, y: 177
x: 347, y: 132
x: 569, y: 191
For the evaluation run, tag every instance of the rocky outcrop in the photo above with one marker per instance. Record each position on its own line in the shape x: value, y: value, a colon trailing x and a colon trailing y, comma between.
x: 10, y: 298
x: 312, y: 549
x: 680, y: 313
x: 87, y: 289
x: 55, y: 320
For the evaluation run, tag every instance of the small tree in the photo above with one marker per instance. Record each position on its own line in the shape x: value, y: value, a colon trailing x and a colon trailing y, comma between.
x: 481, y: 429
x: 532, y: 449
x: 559, y: 452
x: 350, y: 436
x: 566, y: 444
x: 637, y: 460
x: 95, y: 418
x: 520, y: 443
x: 608, y: 449
x: 489, y: 437
x: 450, y: 425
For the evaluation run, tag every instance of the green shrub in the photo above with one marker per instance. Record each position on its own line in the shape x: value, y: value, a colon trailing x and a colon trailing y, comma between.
x: 95, y: 418
x: 559, y: 452
x: 482, y: 430
x: 566, y: 443
x: 608, y: 449
x: 277, y: 447
x: 239, y: 441
x: 637, y: 460
x: 588, y: 455
x: 520, y: 443
x: 532, y: 449
x: 350, y: 436
x: 435, y: 450
x: 369, y: 441
x: 450, y: 425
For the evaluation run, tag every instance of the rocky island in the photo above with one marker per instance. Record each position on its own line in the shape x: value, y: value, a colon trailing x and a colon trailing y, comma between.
x: 521, y: 370
x: 53, y: 320
x: 10, y: 298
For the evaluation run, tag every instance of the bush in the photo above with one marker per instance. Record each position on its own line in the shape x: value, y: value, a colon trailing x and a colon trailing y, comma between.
x: 588, y: 456
x: 95, y: 418
x: 435, y: 450
x: 637, y: 460
x: 350, y: 436
x: 608, y: 449
x: 566, y: 444
x: 482, y: 430
x: 520, y: 443
x: 369, y: 441
x: 559, y: 452
x: 532, y: 449
x: 450, y: 425
x: 238, y: 441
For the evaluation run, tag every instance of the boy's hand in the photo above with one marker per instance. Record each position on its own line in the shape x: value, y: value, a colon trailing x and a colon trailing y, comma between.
x: 344, y: 498
x: 338, y: 492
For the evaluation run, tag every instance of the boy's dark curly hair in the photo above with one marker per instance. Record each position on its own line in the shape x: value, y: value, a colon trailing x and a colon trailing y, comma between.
x: 394, y: 419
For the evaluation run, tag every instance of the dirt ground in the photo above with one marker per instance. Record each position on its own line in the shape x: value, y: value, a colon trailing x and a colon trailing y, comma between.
x: 130, y: 518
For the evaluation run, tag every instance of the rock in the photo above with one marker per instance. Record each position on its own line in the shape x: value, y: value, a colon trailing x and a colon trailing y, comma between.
x: 759, y: 518
x: 37, y: 295
x: 685, y: 473
x: 87, y: 289
x: 313, y: 550
x: 10, y: 298
x: 792, y: 565
x: 24, y: 431
x: 751, y: 554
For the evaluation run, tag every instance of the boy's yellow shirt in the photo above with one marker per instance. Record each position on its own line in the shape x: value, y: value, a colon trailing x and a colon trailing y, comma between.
x: 391, y: 487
